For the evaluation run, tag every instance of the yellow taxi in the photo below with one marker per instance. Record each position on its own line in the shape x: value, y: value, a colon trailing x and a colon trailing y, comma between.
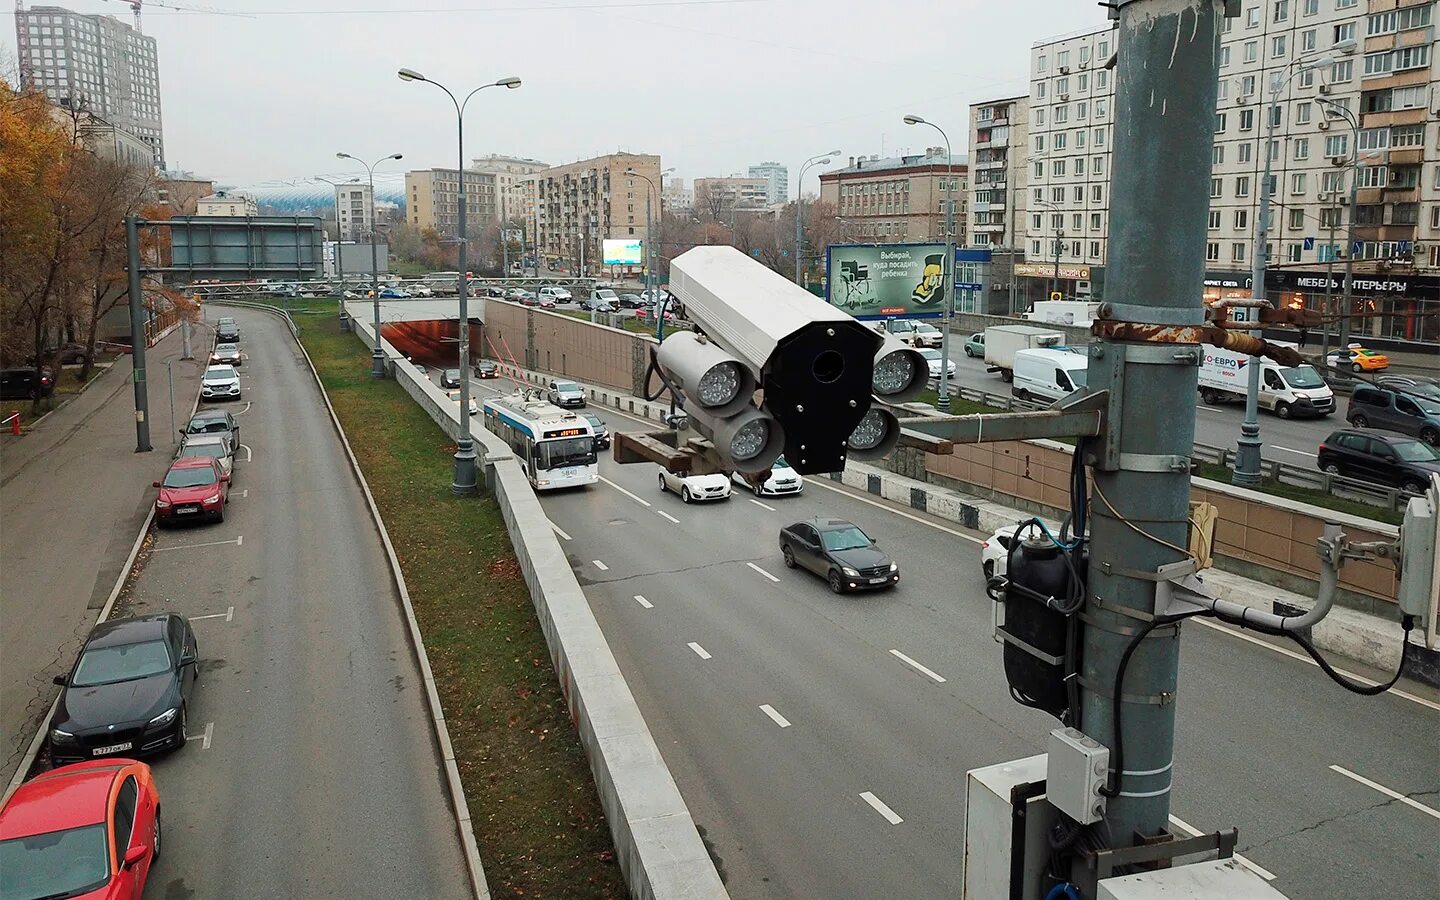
x: 1357, y: 359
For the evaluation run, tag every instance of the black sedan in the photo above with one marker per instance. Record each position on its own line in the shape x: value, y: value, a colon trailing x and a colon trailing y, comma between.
x: 602, y: 434
x: 840, y: 552
x: 486, y: 368
x: 632, y: 301
x: 450, y: 378
x: 128, y: 692
x: 1389, y: 459
x: 226, y: 355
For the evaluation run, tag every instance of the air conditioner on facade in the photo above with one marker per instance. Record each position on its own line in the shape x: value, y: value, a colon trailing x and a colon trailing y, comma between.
x: 1338, y: 160
x: 1324, y: 88
x: 1323, y: 125
x: 1344, y: 201
x: 1323, y: 196
x: 1064, y: 70
x: 1064, y: 97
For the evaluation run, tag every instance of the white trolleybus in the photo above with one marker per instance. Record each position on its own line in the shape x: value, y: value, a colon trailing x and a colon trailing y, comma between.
x: 555, y: 447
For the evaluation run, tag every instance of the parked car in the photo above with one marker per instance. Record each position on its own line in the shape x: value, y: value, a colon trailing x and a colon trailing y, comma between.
x: 211, y: 446
x: 1422, y: 385
x: 783, y: 481
x: 599, y: 306
x: 995, y: 551
x: 225, y: 355
x: 352, y: 295
x: 227, y: 334
x: 1357, y: 359
x: 486, y: 368
x: 394, y: 293
x: 527, y: 298
x: 192, y: 489
x: 514, y: 293
x: 932, y: 359
x: 632, y: 301
x: 220, y: 383
x: 450, y: 378
x: 840, y: 552
x: 87, y: 830
x: 975, y: 345
x: 455, y: 398
x: 491, y: 290
x: 558, y: 294
x: 1392, y: 460
x: 565, y: 394
x: 926, y: 335
x: 227, y: 325
x: 602, y: 434
x: 128, y: 691
x: 213, y: 421
x: 1395, y: 410
x: 602, y: 296
x: 420, y: 290
x: 545, y: 302
x: 21, y: 383
x: 695, y: 487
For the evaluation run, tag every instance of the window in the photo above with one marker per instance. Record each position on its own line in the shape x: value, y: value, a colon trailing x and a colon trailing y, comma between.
x: 1370, y: 215
x: 1412, y: 57
x: 1062, y: 114
x: 1214, y: 222
x: 1337, y: 145
x: 1062, y: 59
x: 1302, y: 148
x: 1081, y: 109
x: 1379, y: 63
x: 1237, y: 252
x: 1374, y: 139
x: 1277, y: 46
x: 1222, y: 91
x: 1404, y: 176
x: 1330, y: 217
x: 1408, y: 97
x: 1095, y: 221
x: 1040, y: 91
x: 1103, y: 50
x: 1212, y: 252
x: 1344, y: 31
x: 1102, y: 79
x: 1332, y: 182
x: 1077, y: 222
x: 1280, y: 10
x: 1252, y: 17
x: 1247, y: 119
x: 1224, y: 57
x: 1039, y: 143
x: 1085, y: 54
x: 1101, y: 108
x: 1095, y: 249
x: 1414, y: 17
x: 1039, y: 192
x: 1057, y: 195
x: 1217, y: 155
x: 1060, y: 140
x: 1307, y: 41
x: 125, y: 801
x: 1252, y: 51
x: 1407, y: 136
x: 1242, y: 186
x: 1077, y: 193
x: 1097, y: 165
x: 1343, y: 70
x: 1062, y: 85
x: 1057, y: 167
x: 1080, y: 138
x: 1215, y: 187
x: 1219, y: 123
x: 1097, y: 193
x: 1080, y: 165
x: 1247, y: 85
x: 1039, y: 117
x: 1241, y: 220
x: 1035, y: 222
x: 1057, y: 221
x: 1039, y: 170
x: 1041, y: 64
x: 1297, y: 219
x: 1381, y: 23
x: 1297, y: 184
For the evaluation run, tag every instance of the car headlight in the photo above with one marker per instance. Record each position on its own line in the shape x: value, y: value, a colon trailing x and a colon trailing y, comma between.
x: 162, y: 504
x: 849, y: 571
x: 213, y: 499
x: 165, y: 718
x: 894, y: 567
x: 61, y: 737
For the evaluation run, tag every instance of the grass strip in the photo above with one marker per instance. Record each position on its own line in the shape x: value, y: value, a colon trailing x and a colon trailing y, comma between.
x: 536, y: 813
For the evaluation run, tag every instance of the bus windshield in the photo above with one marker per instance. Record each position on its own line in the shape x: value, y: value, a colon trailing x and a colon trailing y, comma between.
x: 578, y: 451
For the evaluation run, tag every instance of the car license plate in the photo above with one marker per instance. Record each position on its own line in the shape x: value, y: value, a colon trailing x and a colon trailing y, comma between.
x: 186, y: 511
x: 113, y: 748
x: 877, y: 580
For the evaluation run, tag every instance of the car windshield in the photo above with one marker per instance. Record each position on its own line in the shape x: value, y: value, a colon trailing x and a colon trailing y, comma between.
x: 197, y: 476
x: 926, y: 328
x: 605, y: 295
x: 122, y: 662
x: 208, y: 426
x: 566, y: 386
x: 1302, y: 377
x: 1426, y: 404
x: 595, y: 422
x: 452, y: 373
x: 930, y: 354
x: 847, y: 538
x: 1416, y: 451
x: 228, y: 348
x: 55, y: 864
x: 565, y: 452
x: 219, y: 374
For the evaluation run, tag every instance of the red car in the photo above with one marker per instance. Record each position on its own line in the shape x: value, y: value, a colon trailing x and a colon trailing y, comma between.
x: 90, y: 830
x: 194, y: 488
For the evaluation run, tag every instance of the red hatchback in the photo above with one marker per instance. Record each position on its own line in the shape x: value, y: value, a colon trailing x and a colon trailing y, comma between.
x: 194, y: 488
x: 91, y: 830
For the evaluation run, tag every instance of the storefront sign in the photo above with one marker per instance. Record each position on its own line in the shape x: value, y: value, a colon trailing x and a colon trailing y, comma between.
x: 1036, y: 270
x: 1317, y: 282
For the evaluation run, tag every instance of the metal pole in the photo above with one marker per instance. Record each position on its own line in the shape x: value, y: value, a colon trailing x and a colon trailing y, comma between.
x: 944, y: 388
x: 186, y: 351
x: 1165, y: 122
x: 1010, y: 227
x: 463, y: 484
x: 137, y: 334
x: 1348, y: 299
x: 1329, y: 284
x: 170, y: 376
x: 377, y: 356
x: 1055, y: 277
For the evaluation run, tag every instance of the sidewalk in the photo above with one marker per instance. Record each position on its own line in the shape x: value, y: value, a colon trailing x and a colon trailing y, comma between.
x: 73, y: 494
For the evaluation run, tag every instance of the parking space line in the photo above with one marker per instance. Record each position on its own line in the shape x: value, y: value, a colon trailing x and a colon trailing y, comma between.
x: 879, y: 806
x: 205, y: 738
x: 910, y: 662
x: 643, y: 602
x: 245, y: 410
x: 249, y: 454
x: 762, y: 572
x: 668, y: 516
x: 644, y: 503
x: 556, y: 529
x: 761, y: 505
x: 236, y: 542
x: 1195, y: 832
x: 599, y: 565
x: 778, y: 719
x: 1392, y: 794
x: 228, y: 615
x: 699, y: 650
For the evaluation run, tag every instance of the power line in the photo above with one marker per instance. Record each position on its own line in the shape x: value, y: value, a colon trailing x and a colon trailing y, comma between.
x: 634, y: 4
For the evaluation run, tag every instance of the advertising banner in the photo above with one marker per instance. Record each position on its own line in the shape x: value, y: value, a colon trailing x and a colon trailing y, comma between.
x: 878, y: 281
x: 622, y: 252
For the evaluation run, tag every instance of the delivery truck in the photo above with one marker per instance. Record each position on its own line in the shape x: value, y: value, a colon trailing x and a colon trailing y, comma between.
x: 1002, y: 342
x: 1079, y: 313
x: 1284, y: 390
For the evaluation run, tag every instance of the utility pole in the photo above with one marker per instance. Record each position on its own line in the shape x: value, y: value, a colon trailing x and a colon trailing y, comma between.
x: 1329, y: 284
x: 1010, y: 212
x: 1059, y: 243
x: 137, y: 335
x: 1165, y: 96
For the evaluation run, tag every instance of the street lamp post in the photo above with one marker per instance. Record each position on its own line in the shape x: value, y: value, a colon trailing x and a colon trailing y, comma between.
x: 1336, y: 111
x: 464, y: 482
x: 949, y: 267
x: 651, y: 287
x: 822, y: 159
x: 377, y: 356
x: 339, y: 272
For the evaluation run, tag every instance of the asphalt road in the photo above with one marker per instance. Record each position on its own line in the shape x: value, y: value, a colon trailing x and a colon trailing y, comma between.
x: 891, y: 697
x: 311, y: 769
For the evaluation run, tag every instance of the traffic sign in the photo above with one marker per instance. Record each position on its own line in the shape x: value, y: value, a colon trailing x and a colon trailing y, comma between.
x: 969, y: 286
x: 1309, y: 243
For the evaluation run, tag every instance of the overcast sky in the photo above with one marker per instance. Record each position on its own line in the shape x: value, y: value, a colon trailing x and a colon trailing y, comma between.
x: 710, y: 85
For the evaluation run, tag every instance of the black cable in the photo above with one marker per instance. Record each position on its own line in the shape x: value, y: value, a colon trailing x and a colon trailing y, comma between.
x: 1407, y: 622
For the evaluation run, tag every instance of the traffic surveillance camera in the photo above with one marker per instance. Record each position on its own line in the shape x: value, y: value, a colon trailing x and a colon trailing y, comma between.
x: 710, y: 377
x: 813, y: 363
x: 750, y: 440
x: 875, y: 436
x: 901, y: 373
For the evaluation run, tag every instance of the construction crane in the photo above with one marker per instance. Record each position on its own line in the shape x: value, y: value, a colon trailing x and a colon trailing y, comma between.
x: 135, y: 8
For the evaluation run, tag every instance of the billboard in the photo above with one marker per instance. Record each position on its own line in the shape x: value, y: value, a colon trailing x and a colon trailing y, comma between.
x: 622, y: 252
x: 877, y: 281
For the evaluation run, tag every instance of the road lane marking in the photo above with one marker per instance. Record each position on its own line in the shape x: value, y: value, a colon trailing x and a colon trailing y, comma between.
x: 249, y: 454
x: 1394, y: 795
x: 1195, y: 832
x: 245, y: 410
x: 820, y: 482
x: 644, y: 503
x: 600, y: 565
x: 908, y: 661
x: 699, y: 650
x: 778, y: 719
x: 228, y: 615
x: 668, y: 516
x: 1298, y: 452
x: 556, y: 529
x: 1406, y: 695
x: 643, y: 602
x: 236, y: 542
x: 245, y: 494
x: 762, y: 505
x: 762, y: 572
x: 205, y: 738
x: 879, y: 806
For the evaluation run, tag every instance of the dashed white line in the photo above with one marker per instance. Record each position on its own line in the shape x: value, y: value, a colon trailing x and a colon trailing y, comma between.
x: 762, y: 505
x: 762, y: 571
x: 1297, y: 452
x: 699, y: 650
x: 557, y: 530
x: 236, y: 542
x: 1195, y: 832
x: 910, y: 662
x: 643, y: 602
x: 775, y: 717
x: 205, y: 738
x: 637, y: 499
x: 600, y: 565
x: 1392, y: 794
x: 668, y: 516
x: 879, y: 806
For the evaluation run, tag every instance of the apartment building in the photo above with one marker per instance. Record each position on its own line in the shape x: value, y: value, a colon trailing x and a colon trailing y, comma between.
x: 899, y: 199
x: 720, y: 197
x: 512, y: 177
x: 777, y: 181
x: 677, y: 196
x: 582, y: 203
x: 999, y: 162
x: 227, y: 203
x: 354, y: 206
x: 95, y: 63
x: 432, y: 200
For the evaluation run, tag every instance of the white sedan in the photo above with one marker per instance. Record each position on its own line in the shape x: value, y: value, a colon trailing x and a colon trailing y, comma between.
x: 696, y: 487
x: 783, y: 480
x: 932, y: 359
x: 474, y: 407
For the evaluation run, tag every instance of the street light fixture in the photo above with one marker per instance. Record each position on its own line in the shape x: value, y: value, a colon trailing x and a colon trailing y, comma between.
x: 822, y: 159
x: 651, y: 288
x: 377, y: 356
x: 464, y: 482
x: 339, y: 274
x: 949, y: 268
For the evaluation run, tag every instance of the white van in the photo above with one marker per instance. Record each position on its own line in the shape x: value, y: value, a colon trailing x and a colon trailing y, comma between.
x: 1047, y: 375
